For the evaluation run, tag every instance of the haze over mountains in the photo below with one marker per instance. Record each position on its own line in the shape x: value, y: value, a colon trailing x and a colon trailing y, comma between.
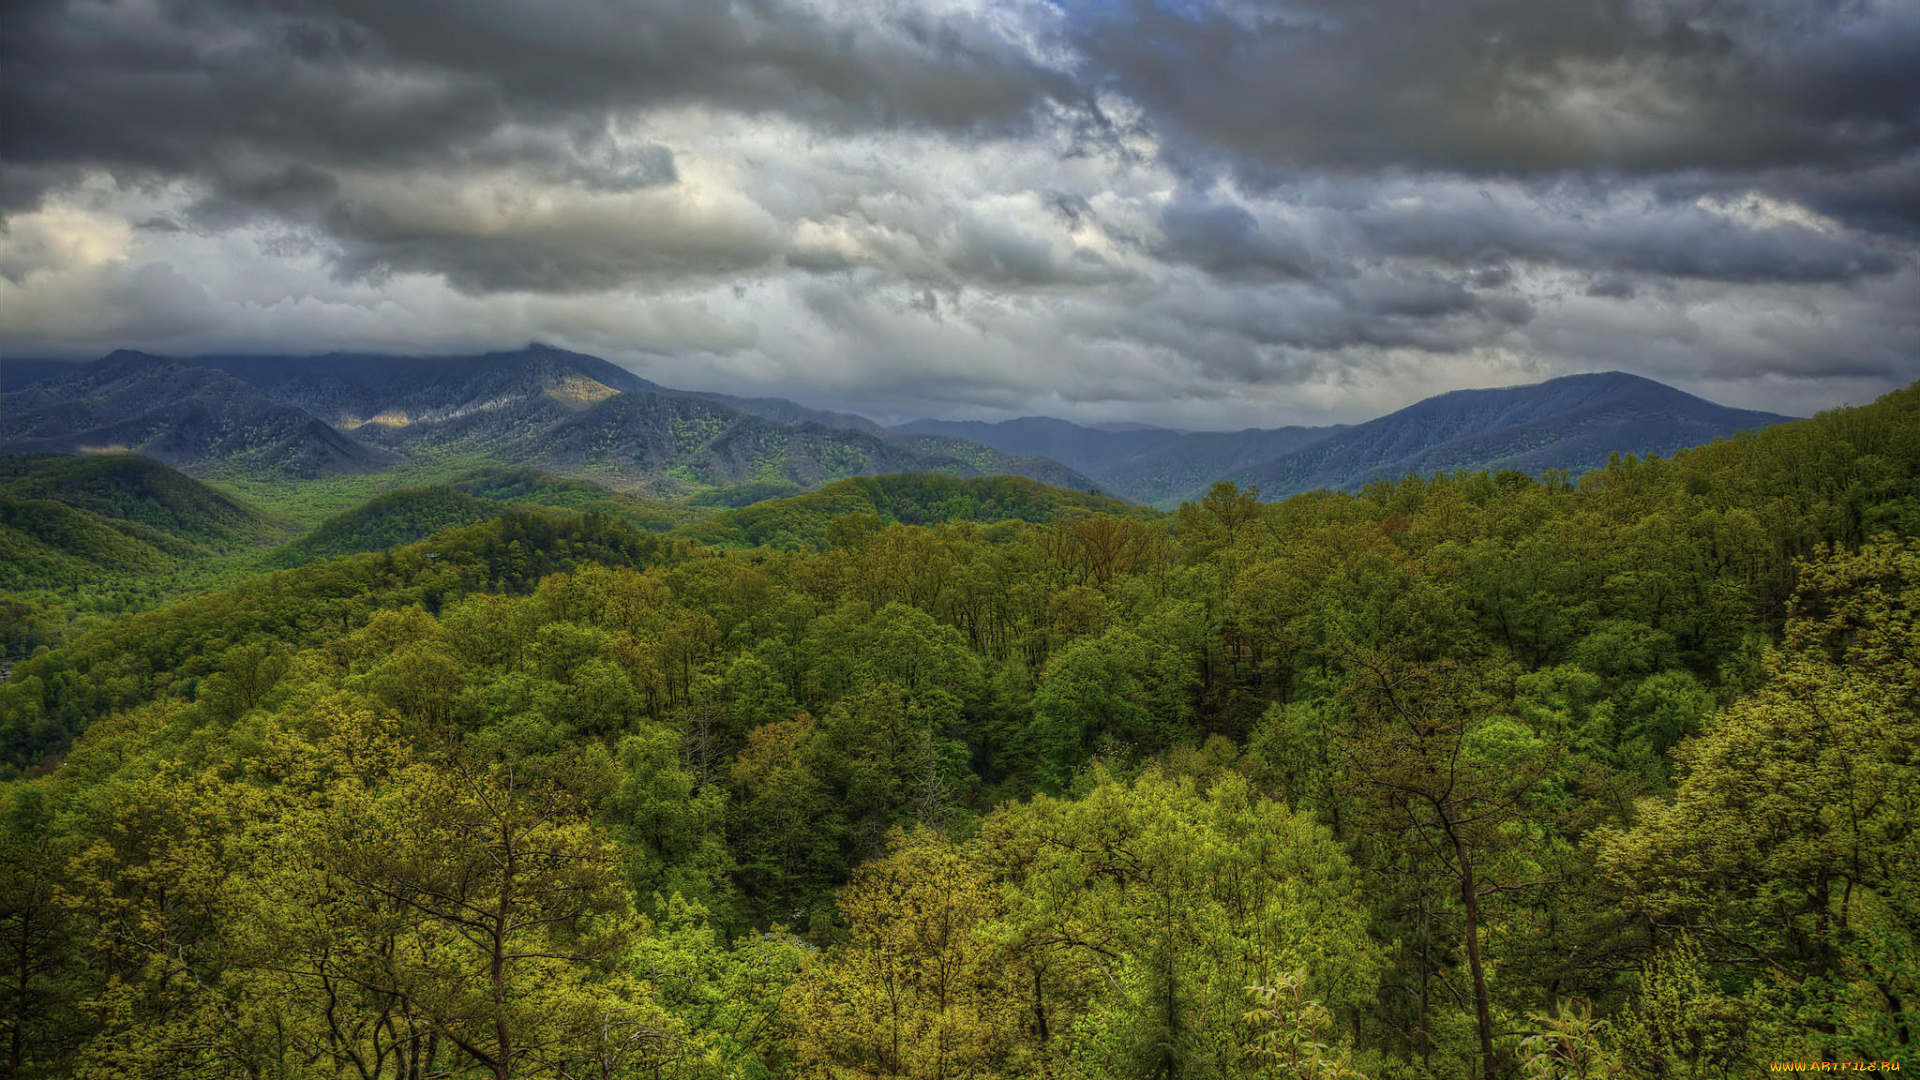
x: 1571, y: 423
x: 191, y: 416
x: 1148, y: 464
x: 578, y: 415
x: 314, y: 416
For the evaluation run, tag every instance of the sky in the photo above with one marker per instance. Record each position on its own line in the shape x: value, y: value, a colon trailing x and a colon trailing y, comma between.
x: 1199, y: 213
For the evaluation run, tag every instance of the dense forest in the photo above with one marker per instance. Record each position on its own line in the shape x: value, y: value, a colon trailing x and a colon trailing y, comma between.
x: 1464, y: 776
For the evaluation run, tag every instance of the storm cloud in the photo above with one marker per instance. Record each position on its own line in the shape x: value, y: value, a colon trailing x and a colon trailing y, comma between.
x: 1214, y: 213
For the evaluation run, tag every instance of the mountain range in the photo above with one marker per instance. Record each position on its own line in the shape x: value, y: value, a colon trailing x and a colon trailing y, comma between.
x: 194, y: 417
x: 1146, y: 464
x: 1571, y: 423
x: 303, y: 417
x: 577, y: 415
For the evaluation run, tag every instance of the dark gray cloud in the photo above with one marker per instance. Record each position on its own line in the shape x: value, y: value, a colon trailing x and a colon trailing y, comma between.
x: 1226, y: 239
x: 1523, y: 85
x: 1229, y: 207
x: 1731, y: 235
x: 199, y: 86
x: 1612, y: 287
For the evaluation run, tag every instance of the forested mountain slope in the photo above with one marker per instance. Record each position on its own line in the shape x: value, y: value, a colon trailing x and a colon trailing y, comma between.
x: 429, y: 418
x: 559, y: 410
x: 390, y: 394
x: 849, y: 509
x: 1460, y: 776
x: 1091, y: 450
x: 1148, y: 464
x: 783, y: 411
x: 108, y: 533
x: 413, y: 514
x: 1174, y: 472
x: 190, y: 417
x: 1571, y: 423
x: 98, y: 522
x: 50, y: 545
x: 350, y: 389
x: 532, y: 488
x: 393, y: 519
x: 669, y: 444
x: 129, y: 487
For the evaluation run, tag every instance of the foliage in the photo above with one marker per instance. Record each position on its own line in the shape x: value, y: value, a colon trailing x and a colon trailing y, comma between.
x: 103, y: 534
x: 1464, y: 775
x: 1144, y: 908
x: 1567, y: 1045
x: 398, y: 517
x: 1793, y: 829
x: 916, y: 990
x: 1288, y: 1027
x: 803, y: 520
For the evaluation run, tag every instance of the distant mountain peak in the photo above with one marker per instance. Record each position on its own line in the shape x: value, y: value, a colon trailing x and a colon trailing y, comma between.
x: 548, y: 406
x: 1586, y: 392
x: 130, y: 360
x: 1569, y: 422
x: 1572, y: 423
x: 541, y: 348
x: 183, y: 414
x: 540, y: 405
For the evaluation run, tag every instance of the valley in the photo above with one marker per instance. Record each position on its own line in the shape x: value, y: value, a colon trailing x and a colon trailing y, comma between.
x: 1571, y: 424
x: 339, y: 454
x: 790, y: 733
x: 929, y: 540
x: 407, y: 421
x: 262, y: 420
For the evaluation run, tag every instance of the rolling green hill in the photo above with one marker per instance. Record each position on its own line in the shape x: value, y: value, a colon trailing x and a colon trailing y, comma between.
x: 398, y: 517
x: 413, y: 514
x: 83, y: 538
x: 70, y: 522
x: 128, y: 487
x: 909, y: 499
x: 531, y: 487
x: 48, y: 544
